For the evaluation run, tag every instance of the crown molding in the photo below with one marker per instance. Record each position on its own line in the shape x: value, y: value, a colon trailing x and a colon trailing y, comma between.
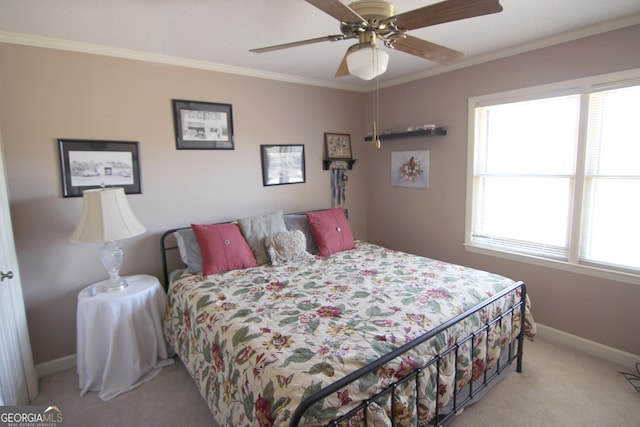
x: 95, y: 49
x: 60, y: 44
x: 515, y: 50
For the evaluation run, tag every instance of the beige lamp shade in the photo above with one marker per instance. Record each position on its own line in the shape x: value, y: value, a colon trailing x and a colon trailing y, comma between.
x: 106, y: 216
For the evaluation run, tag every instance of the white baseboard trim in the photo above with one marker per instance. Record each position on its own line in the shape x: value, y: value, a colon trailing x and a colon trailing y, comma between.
x: 610, y: 354
x: 56, y: 365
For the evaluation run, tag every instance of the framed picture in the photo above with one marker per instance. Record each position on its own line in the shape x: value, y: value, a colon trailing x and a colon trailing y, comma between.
x: 282, y: 164
x: 203, y: 125
x: 86, y: 164
x: 410, y: 169
x: 338, y: 145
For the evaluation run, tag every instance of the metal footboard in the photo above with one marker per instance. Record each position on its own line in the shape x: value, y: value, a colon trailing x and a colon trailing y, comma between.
x: 460, y: 399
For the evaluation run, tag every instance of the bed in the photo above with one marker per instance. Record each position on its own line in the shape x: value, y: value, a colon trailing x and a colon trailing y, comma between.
x: 287, y: 320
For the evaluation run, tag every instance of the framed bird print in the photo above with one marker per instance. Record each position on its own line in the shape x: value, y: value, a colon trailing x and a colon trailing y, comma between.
x: 338, y: 145
x: 410, y: 169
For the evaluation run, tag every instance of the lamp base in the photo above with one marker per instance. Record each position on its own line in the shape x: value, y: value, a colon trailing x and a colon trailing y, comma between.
x: 114, y: 285
x: 111, y: 255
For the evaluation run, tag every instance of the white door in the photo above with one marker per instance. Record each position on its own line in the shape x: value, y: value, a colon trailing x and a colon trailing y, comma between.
x: 18, y: 379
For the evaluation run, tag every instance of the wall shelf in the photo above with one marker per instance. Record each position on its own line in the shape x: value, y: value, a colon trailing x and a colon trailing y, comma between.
x: 431, y: 132
x: 326, y: 163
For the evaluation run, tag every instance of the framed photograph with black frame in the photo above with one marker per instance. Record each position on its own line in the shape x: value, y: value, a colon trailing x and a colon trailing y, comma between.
x: 282, y: 164
x: 203, y: 125
x: 338, y: 145
x: 86, y: 164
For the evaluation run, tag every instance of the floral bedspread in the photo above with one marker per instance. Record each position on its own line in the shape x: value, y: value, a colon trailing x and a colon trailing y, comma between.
x: 259, y: 340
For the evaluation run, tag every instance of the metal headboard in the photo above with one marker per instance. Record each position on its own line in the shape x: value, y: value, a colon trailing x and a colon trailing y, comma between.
x: 168, y: 245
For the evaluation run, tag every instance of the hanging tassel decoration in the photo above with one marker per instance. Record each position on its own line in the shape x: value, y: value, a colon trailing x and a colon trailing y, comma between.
x: 338, y: 186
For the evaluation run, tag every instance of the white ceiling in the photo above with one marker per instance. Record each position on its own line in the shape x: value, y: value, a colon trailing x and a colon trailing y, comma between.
x: 217, y: 34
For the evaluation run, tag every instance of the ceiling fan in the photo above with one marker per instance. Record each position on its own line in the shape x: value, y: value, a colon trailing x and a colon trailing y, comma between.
x: 372, y: 20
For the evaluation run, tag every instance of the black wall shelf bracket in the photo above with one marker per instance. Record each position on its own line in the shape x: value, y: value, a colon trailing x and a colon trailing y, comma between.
x: 326, y: 163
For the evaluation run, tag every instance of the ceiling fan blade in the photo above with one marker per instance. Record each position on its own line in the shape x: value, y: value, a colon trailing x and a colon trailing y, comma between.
x: 427, y: 50
x: 338, y: 10
x: 446, y: 11
x: 343, y: 70
x: 332, y: 38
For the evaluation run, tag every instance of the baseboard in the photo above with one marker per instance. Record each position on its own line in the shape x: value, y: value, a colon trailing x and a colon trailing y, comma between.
x: 601, y: 351
x: 56, y: 365
x: 610, y: 354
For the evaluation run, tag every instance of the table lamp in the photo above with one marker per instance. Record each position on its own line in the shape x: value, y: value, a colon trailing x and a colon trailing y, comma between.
x: 107, y: 217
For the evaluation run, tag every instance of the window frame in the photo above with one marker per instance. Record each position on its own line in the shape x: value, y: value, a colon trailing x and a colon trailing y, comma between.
x: 582, y: 87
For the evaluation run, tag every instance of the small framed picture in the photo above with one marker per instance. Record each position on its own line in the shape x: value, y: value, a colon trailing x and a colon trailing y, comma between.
x: 410, y: 169
x: 338, y: 145
x: 86, y: 164
x: 282, y: 164
x: 203, y: 125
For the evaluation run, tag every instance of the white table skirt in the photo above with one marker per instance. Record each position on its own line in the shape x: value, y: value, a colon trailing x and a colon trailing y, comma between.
x: 120, y: 339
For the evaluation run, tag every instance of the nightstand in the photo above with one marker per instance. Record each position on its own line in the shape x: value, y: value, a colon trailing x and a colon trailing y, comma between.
x: 120, y: 339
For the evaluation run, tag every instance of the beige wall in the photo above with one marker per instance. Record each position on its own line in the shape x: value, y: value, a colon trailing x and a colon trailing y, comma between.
x: 431, y: 222
x: 49, y: 94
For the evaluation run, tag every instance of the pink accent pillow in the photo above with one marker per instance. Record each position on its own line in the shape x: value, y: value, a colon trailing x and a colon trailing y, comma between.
x: 331, y: 231
x: 223, y: 248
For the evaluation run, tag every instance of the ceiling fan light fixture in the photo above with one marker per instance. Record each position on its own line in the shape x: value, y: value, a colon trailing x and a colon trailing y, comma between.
x: 367, y: 62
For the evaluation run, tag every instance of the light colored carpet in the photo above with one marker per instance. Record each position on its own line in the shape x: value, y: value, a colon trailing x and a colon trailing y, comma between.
x: 558, y: 387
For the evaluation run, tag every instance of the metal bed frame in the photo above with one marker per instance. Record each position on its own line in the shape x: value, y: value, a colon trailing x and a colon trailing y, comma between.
x: 461, y: 398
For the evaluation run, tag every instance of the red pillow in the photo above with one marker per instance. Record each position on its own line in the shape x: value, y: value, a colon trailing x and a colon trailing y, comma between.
x: 331, y: 231
x: 223, y: 248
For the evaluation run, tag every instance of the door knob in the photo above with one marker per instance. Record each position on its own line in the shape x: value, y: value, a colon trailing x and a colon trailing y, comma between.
x: 8, y: 275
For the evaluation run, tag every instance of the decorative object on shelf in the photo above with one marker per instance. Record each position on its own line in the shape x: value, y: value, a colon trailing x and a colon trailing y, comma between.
x: 87, y: 164
x: 439, y: 131
x: 282, y: 164
x: 338, y: 145
x: 420, y: 127
x: 203, y: 125
x: 107, y: 217
x: 410, y: 169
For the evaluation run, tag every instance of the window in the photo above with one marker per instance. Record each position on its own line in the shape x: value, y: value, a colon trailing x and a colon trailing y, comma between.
x: 555, y: 175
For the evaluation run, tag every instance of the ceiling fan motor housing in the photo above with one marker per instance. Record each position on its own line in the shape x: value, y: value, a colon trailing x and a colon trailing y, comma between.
x: 373, y: 11
x: 376, y: 12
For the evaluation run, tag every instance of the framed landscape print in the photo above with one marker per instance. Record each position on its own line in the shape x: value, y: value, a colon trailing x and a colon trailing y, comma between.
x: 282, y: 164
x: 86, y: 164
x: 203, y: 125
x: 338, y: 145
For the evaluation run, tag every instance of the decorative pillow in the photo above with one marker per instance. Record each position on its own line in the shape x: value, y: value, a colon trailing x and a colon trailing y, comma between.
x: 331, y: 231
x: 286, y: 247
x: 299, y: 221
x: 256, y: 228
x: 189, y: 250
x: 223, y: 248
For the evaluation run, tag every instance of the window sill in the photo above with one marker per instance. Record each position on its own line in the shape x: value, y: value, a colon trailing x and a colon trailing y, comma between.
x: 602, y: 273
